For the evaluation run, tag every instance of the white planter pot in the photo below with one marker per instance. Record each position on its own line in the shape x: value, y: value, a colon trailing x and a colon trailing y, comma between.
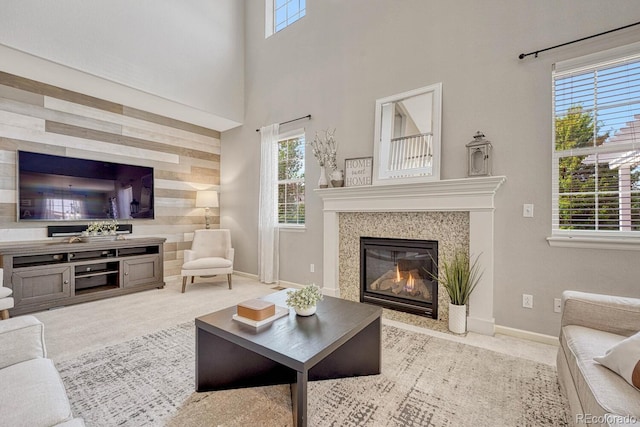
x: 305, y: 311
x: 322, y: 182
x: 457, y: 318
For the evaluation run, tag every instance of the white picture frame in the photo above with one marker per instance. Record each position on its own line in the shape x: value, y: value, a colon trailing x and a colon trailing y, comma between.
x: 358, y: 171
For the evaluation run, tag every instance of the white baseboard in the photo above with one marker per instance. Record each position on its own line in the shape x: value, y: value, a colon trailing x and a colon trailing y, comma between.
x: 282, y: 283
x: 243, y: 274
x: 286, y: 284
x: 527, y: 335
x: 481, y: 326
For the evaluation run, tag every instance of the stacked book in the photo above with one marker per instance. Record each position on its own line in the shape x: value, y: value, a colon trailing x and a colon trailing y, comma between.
x: 256, y: 312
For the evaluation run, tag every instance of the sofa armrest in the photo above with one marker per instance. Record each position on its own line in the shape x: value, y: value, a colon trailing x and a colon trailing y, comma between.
x: 617, y: 315
x: 21, y: 339
x: 230, y: 254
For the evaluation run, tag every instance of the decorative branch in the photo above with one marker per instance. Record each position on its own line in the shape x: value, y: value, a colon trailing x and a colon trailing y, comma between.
x: 325, y: 148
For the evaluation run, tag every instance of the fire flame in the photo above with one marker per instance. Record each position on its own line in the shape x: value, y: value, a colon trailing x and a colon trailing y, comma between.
x: 398, y: 277
x: 410, y: 284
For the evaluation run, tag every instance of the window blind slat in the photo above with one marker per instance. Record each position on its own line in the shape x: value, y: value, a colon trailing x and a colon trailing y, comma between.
x: 596, y: 157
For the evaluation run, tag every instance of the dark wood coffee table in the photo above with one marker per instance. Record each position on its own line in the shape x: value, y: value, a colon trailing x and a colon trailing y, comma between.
x: 341, y: 340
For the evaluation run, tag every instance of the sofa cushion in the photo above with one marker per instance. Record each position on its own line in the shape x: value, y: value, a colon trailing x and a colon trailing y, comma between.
x: 5, y: 292
x: 600, y: 390
x: 21, y: 338
x: 624, y: 359
x: 32, y: 394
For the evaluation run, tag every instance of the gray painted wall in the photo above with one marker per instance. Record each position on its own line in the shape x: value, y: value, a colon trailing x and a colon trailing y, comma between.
x: 342, y: 56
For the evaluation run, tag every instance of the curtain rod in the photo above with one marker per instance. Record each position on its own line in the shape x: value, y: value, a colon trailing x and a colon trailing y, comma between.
x: 524, y: 55
x: 308, y: 116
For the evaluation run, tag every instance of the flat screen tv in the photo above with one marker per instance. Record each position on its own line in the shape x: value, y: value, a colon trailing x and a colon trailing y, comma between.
x: 57, y: 188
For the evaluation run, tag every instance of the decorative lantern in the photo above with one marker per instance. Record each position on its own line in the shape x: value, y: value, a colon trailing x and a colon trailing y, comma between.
x: 479, y: 156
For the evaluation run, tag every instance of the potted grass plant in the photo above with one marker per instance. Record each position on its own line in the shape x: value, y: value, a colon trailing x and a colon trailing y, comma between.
x: 459, y: 276
x: 304, y: 301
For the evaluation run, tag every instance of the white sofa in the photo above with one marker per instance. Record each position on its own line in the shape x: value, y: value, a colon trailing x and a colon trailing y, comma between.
x: 31, y: 392
x: 591, y: 325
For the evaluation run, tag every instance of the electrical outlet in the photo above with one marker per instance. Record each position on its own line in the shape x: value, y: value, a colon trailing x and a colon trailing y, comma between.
x: 557, y: 305
x: 312, y: 268
x: 527, y: 210
x: 527, y: 301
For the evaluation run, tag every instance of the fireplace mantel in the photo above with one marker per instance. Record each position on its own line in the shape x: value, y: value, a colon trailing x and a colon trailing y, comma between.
x: 475, y: 195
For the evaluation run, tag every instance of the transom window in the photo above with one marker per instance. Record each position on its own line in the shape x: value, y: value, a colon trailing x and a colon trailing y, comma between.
x: 291, y: 180
x: 596, y: 145
x: 282, y: 13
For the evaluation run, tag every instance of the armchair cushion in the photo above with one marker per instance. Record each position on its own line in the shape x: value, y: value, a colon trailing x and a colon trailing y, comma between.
x: 205, y: 263
x: 6, y: 303
x: 4, y: 292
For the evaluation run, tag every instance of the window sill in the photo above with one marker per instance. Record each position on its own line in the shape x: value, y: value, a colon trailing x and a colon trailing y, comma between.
x: 617, y: 243
x: 293, y: 228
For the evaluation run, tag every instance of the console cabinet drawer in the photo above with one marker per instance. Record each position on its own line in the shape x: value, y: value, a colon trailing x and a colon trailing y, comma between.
x: 141, y: 271
x: 37, y: 285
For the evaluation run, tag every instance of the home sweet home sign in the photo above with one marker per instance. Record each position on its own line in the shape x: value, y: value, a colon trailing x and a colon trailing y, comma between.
x: 358, y: 171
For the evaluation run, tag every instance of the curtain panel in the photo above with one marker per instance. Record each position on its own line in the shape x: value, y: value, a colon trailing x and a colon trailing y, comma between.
x: 268, y: 236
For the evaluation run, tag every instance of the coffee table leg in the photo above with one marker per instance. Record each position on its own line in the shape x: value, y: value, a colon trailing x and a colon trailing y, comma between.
x: 299, y: 400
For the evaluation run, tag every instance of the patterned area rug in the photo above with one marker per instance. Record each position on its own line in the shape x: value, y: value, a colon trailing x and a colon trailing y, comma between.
x: 425, y: 381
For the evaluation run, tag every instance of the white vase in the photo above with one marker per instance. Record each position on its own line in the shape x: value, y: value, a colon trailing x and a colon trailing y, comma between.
x: 306, y: 311
x: 322, y: 182
x: 457, y: 318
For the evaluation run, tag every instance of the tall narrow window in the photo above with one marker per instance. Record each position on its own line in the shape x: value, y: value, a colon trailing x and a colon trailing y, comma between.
x: 596, y: 147
x: 282, y: 13
x: 291, y: 179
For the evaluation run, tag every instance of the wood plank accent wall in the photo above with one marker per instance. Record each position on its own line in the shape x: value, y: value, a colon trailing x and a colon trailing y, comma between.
x: 38, y: 117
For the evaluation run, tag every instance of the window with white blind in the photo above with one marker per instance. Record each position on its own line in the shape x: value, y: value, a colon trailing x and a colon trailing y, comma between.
x: 596, y: 145
x: 291, y: 208
x: 282, y: 13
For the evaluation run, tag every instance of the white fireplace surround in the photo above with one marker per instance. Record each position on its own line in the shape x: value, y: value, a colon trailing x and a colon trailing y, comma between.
x: 475, y: 195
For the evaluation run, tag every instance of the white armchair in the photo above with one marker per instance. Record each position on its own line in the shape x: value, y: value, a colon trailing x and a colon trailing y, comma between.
x: 210, y: 254
x: 6, y: 300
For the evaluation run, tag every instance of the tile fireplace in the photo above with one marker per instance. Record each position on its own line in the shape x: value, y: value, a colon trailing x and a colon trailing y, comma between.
x: 397, y: 274
x: 473, y: 196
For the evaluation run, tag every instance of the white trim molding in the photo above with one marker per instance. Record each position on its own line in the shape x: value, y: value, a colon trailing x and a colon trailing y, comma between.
x: 474, y: 195
x: 528, y: 335
x: 582, y: 242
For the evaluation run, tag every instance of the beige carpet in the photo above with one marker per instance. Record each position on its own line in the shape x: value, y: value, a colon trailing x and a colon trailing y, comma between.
x: 77, y: 329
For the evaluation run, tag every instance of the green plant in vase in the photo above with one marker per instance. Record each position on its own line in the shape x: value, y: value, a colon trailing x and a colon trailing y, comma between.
x: 304, y: 301
x: 459, y: 277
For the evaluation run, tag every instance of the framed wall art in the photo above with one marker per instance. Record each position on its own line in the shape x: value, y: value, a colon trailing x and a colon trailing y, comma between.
x: 357, y: 171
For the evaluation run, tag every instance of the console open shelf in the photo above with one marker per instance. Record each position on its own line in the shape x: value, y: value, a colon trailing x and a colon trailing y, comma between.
x: 50, y: 274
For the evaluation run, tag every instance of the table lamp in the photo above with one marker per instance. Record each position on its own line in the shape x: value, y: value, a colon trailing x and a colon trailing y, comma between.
x: 207, y: 199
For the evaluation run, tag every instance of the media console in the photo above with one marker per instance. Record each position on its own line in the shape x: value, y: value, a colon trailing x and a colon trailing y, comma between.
x: 49, y: 274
